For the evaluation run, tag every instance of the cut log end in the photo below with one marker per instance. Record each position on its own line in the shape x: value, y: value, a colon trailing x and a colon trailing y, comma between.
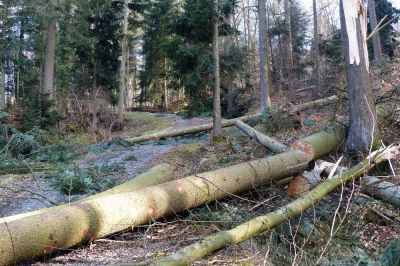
x: 305, y: 147
x: 302, y: 184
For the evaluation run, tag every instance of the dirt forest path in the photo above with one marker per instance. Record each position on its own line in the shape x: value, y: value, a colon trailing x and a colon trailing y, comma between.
x: 26, y: 193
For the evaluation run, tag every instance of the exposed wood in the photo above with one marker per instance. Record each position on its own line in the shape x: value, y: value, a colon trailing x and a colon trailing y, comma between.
x: 258, y: 225
x: 225, y: 123
x: 264, y: 140
x: 363, y: 128
x: 28, y: 236
x: 302, y: 184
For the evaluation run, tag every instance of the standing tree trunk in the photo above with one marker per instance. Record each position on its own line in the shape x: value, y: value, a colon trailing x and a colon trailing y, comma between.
x: 217, y: 127
x: 2, y: 57
x: 230, y: 75
x: 122, y: 70
x: 363, y: 128
x: 49, y: 58
x: 131, y: 72
x: 317, y: 56
x: 376, y: 41
x: 264, y: 90
x: 289, y: 45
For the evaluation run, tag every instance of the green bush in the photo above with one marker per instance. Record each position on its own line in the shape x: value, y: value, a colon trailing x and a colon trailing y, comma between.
x: 73, y: 180
x: 276, y: 121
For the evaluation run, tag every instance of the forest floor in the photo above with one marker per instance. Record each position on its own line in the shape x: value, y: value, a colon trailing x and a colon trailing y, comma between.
x: 364, y: 226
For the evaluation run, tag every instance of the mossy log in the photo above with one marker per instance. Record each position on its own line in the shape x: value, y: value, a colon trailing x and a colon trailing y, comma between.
x: 28, y: 236
x: 264, y: 140
x: 261, y: 224
x: 225, y: 123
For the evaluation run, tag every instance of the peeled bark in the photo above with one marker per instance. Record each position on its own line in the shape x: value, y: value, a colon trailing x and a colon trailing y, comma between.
x: 260, y: 224
x: 266, y: 141
x: 28, y: 236
x: 225, y: 123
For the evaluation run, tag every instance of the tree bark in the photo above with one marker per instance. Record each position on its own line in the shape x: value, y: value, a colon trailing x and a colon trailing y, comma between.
x: 28, y: 236
x: 260, y: 224
x: 217, y: 127
x: 289, y: 45
x: 376, y: 40
x: 49, y: 58
x: 2, y: 56
x: 265, y: 101
x: 230, y: 75
x: 317, y: 57
x: 122, y: 70
x: 314, y: 104
x: 383, y: 190
x: 363, y: 128
x: 264, y: 140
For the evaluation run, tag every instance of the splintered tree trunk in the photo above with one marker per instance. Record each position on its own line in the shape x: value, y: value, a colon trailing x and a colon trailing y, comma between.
x: 122, y: 70
x: 217, y: 127
x: 265, y: 101
x: 260, y: 224
x: 317, y: 58
x: 376, y: 40
x: 363, y: 128
x: 49, y: 58
x: 28, y: 236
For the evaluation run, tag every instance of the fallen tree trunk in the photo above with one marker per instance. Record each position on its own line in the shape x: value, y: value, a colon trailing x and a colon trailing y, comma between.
x: 264, y: 140
x: 190, y: 130
x: 372, y: 186
x: 28, y: 236
x: 382, y: 190
x: 157, y: 175
x: 225, y: 123
x: 261, y: 224
x: 318, y: 103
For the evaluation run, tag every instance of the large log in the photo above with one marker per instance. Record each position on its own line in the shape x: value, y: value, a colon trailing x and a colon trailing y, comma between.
x: 261, y: 224
x: 226, y: 123
x: 190, y: 130
x: 314, y: 104
x: 382, y: 190
x: 159, y: 174
x: 264, y: 140
x: 32, y: 235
